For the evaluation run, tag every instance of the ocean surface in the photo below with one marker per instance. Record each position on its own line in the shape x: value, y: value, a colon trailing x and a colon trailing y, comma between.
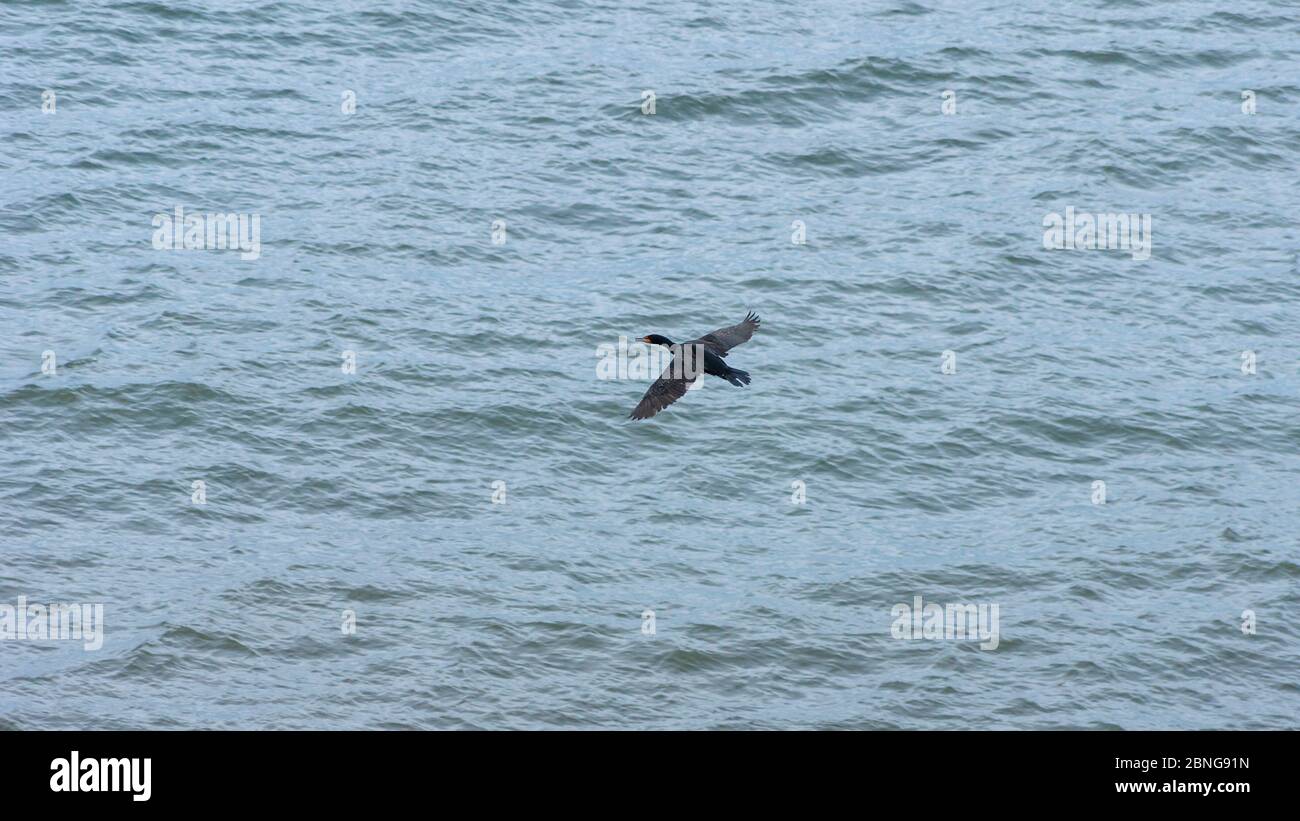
x: 467, y: 532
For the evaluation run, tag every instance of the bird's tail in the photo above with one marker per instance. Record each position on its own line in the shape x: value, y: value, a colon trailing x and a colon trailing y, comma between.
x: 737, y: 377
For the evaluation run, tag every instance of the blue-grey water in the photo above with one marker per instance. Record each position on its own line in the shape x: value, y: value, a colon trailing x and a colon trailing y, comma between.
x: 475, y: 353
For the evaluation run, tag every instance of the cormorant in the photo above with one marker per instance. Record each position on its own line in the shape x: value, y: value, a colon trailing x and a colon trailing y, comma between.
x: 681, y: 372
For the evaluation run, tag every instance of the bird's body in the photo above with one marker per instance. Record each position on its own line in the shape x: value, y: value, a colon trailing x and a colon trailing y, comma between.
x: 706, y: 354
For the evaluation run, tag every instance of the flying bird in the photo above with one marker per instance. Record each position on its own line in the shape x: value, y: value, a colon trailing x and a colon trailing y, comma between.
x: 711, y: 348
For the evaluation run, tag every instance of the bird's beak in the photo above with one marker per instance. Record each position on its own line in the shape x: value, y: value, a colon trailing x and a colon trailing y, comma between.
x: 644, y: 339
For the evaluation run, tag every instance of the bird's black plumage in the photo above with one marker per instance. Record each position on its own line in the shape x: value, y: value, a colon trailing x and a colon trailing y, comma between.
x: 689, y: 359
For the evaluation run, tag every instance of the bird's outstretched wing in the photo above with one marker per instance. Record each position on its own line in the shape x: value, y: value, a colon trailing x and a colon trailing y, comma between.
x: 667, y: 389
x: 724, y: 339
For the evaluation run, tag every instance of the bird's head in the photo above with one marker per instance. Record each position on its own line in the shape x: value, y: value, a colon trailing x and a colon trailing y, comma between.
x: 656, y: 339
